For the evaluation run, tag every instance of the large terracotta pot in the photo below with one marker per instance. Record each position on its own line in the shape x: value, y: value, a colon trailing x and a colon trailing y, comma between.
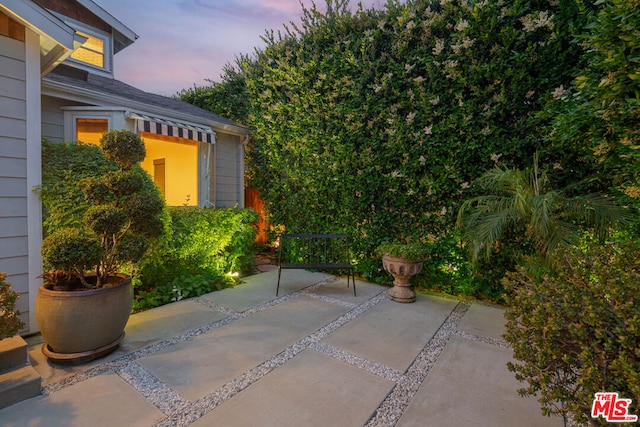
x: 82, y: 325
x: 402, y: 271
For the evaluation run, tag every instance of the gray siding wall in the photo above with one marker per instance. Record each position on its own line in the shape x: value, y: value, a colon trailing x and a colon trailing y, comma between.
x: 13, y: 168
x: 229, y: 171
x: 53, y: 119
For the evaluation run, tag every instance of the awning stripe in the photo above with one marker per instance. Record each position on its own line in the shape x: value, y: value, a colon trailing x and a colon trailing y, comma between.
x: 166, y: 127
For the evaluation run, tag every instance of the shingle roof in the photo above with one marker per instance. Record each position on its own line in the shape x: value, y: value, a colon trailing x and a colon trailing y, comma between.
x: 67, y: 75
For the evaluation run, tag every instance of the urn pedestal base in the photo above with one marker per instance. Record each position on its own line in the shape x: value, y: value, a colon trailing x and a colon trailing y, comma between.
x: 402, y: 271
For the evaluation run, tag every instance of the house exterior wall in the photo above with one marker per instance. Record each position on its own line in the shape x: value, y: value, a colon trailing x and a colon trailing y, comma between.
x: 53, y: 119
x: 20, y: 218
x: 229, y: 178
x: 13, y: 167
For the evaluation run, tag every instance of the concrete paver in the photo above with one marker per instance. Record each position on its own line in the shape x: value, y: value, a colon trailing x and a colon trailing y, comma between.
x: 103, y: 400
x: 394, y: 333
x: 261, y: 288
x: 169, y: 320
x: 311, y: 389
x: 471, y: 385
x: 484, y: 320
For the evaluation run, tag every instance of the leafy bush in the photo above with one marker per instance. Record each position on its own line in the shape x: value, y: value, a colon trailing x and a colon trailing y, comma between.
x: 576, y: 331
x: 10, y: 322
x: 176, y: 290
x: 201, y: 245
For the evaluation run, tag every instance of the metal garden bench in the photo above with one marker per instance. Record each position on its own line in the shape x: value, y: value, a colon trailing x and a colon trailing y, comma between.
x: 315, y: 252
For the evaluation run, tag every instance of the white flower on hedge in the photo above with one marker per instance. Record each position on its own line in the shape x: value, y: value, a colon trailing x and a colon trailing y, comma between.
x: 495, y: 157
x: 461, y: 25
x: 397, y: 174
x: 439, y: 47
x: 411, y: 25
x: 443, y: 211
x: 559, y: 92
x: 422, y: 160
x: 435, y: 101
x: 465, y: 185
x: 428, y: 130
x: 410, y: 117
x: 419, y: 80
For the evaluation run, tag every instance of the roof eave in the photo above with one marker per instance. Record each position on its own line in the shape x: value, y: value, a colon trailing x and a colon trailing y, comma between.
x: 74, y: 93
x: 128, y: 35
x: 58, y: 40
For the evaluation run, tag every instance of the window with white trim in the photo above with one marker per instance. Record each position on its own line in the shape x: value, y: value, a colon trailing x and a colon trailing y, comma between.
x: 95, y: 54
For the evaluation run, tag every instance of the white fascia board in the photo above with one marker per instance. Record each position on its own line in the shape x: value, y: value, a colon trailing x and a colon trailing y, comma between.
x: 42, y: 22
x: 57, y: 39
x: 99, y: 99
x: 110, y: 19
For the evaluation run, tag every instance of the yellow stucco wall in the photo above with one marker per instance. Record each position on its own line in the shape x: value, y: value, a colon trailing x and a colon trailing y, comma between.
x: 181, y: 167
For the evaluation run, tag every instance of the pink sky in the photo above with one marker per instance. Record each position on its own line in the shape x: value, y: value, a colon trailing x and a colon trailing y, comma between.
x: 185, y: 42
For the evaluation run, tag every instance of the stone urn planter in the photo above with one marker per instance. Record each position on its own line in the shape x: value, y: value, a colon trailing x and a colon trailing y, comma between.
x: 402, y: 271
x: 402, y: 259
x: 82, y: 325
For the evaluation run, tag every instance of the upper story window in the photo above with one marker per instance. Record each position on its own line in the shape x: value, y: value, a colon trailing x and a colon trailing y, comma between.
x: 95, y: 55
x: 91, y: 52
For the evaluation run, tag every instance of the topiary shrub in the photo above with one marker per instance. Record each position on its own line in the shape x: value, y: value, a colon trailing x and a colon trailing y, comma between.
x: 10, y: 322
x: 124, y: 212
x: 576, y: 331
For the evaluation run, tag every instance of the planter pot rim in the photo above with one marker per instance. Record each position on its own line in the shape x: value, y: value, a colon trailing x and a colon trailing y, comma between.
x: 47, y: 288
x: 401, y: 259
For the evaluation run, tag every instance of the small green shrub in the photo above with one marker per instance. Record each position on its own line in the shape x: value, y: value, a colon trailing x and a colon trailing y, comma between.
x: 201, y: 246
x: 178, y: 289
x: 411, y: 251
x: 10, y: 322
x: 576, y: 331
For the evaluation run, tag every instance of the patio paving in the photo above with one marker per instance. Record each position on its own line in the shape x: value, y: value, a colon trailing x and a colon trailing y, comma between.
x: 314, y: 356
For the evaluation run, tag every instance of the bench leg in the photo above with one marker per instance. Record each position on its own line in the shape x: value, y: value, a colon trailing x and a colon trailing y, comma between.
x: 278, y: 287
x: 351, y: 274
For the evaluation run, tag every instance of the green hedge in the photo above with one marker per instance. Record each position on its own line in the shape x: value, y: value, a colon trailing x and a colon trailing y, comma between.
x: 378, y: 122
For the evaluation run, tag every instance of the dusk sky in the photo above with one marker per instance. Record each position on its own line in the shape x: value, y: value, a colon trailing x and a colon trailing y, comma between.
x: 185, y: 42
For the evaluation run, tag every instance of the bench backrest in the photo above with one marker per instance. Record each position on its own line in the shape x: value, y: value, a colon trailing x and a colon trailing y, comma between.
x: 314, y: 251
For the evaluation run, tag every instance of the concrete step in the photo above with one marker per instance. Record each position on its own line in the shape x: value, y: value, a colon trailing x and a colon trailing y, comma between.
x: 18, y: 385
x: 18, y: 379
x: 13, y: 352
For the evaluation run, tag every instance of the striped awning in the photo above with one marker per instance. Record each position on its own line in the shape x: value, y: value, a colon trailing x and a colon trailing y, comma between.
x: 161, y: 126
